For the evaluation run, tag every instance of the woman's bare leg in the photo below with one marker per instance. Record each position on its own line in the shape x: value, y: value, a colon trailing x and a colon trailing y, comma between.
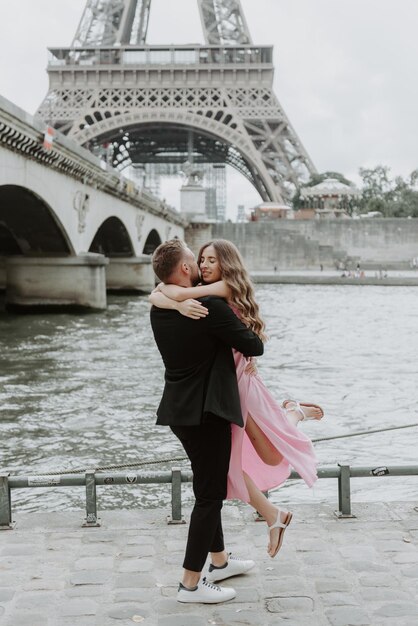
x: 262, y: 445
x: 263, y: 505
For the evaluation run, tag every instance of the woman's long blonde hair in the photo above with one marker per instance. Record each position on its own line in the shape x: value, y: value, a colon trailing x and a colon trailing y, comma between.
x: 234, y: 274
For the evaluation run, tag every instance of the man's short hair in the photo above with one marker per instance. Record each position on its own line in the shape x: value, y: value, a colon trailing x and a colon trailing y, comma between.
x: 166, y: 258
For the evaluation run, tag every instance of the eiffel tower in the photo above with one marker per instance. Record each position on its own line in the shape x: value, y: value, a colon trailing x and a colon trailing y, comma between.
x: 143, y: 104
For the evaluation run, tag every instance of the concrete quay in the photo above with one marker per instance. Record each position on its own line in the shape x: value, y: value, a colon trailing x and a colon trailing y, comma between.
x: 394, y: 279
x: 329, y: 572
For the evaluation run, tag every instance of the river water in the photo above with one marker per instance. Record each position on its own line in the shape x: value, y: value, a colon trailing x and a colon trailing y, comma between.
x: 81, y: 390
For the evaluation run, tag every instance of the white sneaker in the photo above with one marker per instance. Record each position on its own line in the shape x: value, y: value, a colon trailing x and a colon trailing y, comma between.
x: 206, y: 593
x: 233, y: 567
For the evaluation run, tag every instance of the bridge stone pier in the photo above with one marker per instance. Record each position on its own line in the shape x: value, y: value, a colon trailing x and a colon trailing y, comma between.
x: 70, y: 226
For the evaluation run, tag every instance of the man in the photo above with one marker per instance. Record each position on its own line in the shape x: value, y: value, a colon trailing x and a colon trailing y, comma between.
x: 199, y: 403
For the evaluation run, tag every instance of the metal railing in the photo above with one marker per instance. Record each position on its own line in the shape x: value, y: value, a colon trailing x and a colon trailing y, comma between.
x: 91, y: 479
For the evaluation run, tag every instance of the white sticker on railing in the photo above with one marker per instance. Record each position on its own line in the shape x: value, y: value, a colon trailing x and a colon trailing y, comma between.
x: 37, y: 481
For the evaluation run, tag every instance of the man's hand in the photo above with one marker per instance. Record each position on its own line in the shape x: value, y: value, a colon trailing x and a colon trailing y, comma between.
x: 192, y: 308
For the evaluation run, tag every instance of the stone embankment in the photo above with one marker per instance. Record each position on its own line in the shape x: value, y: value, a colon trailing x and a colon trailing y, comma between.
x: 330, y: 572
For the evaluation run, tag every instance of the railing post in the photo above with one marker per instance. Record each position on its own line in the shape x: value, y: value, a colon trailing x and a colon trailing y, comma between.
x: 91, y: 520
x: 5, y: 503
x: 344, y: 496
x: 175, y: 517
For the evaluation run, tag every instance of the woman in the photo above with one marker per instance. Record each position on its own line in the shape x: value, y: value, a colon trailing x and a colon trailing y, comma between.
x: 265, y: 450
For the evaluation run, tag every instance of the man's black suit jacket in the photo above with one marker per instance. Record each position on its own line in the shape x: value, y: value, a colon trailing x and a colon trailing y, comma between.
x: 200, y: 372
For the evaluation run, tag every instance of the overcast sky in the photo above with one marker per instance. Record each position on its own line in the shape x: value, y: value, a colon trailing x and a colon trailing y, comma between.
x: 346, y: 71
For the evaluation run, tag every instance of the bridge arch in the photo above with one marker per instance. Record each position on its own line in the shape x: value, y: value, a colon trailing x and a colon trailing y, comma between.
x: 112, y: 239
x: 29, y: 226
x: 152, y: 242
x: 222, y: 132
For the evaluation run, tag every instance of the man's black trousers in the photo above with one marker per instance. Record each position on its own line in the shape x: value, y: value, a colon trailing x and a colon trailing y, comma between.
x: 208, y: 447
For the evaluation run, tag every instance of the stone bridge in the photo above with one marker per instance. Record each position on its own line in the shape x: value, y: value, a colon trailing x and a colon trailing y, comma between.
x: 71, y: 226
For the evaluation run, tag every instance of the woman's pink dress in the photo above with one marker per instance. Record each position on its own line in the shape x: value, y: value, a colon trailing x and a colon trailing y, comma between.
x: 295, y: 447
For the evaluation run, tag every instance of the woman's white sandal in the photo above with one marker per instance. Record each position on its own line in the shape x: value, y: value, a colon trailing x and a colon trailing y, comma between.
x: 298, y: 407
x: 282, y: 526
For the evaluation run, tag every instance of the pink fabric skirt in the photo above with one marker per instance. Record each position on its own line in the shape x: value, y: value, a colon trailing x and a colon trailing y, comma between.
x: 295, y: 447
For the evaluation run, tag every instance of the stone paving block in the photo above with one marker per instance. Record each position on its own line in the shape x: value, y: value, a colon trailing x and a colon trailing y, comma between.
x: 348, y: 616
x: 277, y: 586
x: 377, y: 580
x: 398, y: 609
x: 134, y: 580
x: 25, y: 619
x: 358, y: 552
x: 288, y: 605
x: 410, y: 572
x: 135, y: 595
x: 367, y: 566
x: 183, y: 620
x: 279, y: 568
x: 230, y: 616
x: 141, y: 540
x: 393, y: 546
x: 87, y: 577
x: 98, y: 535
x: 35, y: 599
x: 312, y: 545
x: 174, y: 559
x: 136, y: 551
x: 21, y: 549
x: 6, y: 594
x: 134, y: 565
x: 319, y: 558
x: 326, y: 585
x: 83, y: 590
x: 94, y: 563
x: 167, y: 606
x: 313, y: 620
x: 124, y: 611
x: 338, y: 599
x: 245, y: 594
x: 376, y: 594
x: 76, y: 620
x: 44, y: 584
x: 77, y: 607
x: 406, y: 557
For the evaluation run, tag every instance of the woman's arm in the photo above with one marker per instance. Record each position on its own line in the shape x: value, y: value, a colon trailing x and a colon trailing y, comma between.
x: 174, y: 292
x: 189, y: 308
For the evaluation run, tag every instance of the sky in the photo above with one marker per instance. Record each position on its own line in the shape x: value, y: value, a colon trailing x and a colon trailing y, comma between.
x: 346, y: 72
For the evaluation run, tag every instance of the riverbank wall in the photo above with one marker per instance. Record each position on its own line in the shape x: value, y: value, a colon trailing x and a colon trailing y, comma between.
x: 387, y: 244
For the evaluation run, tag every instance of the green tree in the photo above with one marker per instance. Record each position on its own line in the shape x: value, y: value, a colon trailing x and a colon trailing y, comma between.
x: 376, y: 190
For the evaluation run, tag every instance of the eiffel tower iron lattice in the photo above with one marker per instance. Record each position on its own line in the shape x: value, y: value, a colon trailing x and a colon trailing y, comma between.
x: 143, y: 103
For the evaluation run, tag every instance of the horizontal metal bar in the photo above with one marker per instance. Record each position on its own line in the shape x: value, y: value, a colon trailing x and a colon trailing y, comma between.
x: 129, y: 478
x: 104, y: 478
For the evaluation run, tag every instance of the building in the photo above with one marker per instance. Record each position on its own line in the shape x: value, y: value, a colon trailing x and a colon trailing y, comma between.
x: 329, y: 199
x: 267, y: 211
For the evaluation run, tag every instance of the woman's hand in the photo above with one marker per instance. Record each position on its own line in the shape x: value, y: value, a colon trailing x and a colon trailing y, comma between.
x: 192, y: 308
x: 251, y: 367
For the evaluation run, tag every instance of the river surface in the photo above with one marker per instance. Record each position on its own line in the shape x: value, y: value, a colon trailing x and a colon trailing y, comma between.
x: 80, y: 391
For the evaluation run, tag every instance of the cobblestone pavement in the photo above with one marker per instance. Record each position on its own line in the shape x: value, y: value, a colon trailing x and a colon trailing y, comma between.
x: 330, y: 572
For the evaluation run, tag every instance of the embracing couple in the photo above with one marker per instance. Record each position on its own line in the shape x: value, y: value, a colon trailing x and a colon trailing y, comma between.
x: 239, y: 440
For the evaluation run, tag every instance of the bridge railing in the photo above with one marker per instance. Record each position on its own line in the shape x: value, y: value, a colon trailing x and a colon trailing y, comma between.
x: 91, y: 479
